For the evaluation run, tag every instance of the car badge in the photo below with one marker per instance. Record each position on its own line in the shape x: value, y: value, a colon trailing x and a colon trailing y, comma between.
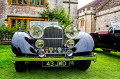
x: 63, y: 49
x: 55, y: 50
x: 46, y: 49
x: 51, y: 49
x: 59, y: 49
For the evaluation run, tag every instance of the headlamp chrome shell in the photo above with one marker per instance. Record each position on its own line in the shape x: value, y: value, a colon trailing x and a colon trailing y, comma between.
x: 41, y: 53
x: 36, y: 31
x: 69, y: 53
x: 70, y: 43
x: 71, y: 31
x: 39, y: 44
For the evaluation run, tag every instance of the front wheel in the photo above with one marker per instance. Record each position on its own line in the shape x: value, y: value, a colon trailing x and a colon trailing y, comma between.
x: 19, y: 66
x: 83, y: 64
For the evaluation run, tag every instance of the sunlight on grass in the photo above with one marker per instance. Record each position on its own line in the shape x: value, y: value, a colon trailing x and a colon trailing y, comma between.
x: 106, y: 67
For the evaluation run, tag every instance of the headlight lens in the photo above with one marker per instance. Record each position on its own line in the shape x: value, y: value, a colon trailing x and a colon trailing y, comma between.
x: 36, y: 31
x: 70, y: 43
x: 71, y: 31
x: 39, y: 43
x: 41, y: 53
x: 69, y: 53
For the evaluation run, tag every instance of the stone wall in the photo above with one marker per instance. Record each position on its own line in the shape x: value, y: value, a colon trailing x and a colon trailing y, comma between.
x: 73, y: 11
x: 65, y: 3
x: 32, y: 11
x: 97, y: 20
x: 89, y: 22
x: 2, y: 10
x: 106, y: 17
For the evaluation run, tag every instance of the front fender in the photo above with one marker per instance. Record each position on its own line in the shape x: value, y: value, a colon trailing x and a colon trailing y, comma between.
x: 21, y: 43
x: 85, y: 43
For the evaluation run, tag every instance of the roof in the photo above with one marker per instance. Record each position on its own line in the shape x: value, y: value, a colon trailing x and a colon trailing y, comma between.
x: 96, y: 4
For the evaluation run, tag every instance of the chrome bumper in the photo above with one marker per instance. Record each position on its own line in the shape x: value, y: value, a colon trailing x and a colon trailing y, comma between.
x: 94, y: 58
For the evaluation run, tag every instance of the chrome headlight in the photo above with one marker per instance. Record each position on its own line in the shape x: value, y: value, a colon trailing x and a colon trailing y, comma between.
x: 70, y: 43
x: 39, y: 43
x: 69, y: 53
x: 36, y: 31
x: 71, y: 31
x: 41, y: 53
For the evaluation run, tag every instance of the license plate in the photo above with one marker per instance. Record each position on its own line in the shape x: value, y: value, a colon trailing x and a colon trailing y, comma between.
x: 55, y: 64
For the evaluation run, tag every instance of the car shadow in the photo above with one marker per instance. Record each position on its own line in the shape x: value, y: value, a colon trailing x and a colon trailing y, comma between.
x: 108, y: 53
x: 38, y: 66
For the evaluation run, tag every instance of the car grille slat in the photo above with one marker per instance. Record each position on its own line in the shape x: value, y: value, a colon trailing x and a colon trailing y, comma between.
x: 53, y: 33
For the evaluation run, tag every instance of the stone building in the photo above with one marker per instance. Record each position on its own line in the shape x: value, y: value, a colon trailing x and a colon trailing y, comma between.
x: 98, y: 14
x: 13, y: 11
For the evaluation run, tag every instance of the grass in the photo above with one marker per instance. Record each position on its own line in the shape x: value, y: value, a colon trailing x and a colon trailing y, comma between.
x: 106, y: 67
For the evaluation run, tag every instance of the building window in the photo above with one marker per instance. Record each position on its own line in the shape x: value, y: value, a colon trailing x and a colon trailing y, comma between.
x: 31, y: 2
x: 19, y: 1
x: 36, y: 2
x: 13, y: 23
x: 42, y: 2
x: 14, y: 1
x: 24, y: 1
x: 25, y: 23
x: 82, y: 22
x: 17, y: 22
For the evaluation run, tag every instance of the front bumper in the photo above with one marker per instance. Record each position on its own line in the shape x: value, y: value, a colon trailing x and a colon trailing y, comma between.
x: 93, y: 57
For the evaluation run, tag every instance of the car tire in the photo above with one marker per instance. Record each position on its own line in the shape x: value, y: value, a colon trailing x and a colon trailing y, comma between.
x: 83, y: 64
x: 19, y: 66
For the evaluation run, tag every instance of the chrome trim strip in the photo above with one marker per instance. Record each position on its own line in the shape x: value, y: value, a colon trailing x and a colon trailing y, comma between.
x: 55, y: 53
x: 52, y: 38
x: 53, y: 26
x: 54, y: 59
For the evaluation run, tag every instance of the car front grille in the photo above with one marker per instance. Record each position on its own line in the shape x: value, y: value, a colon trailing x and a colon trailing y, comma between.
x: 53, y: 33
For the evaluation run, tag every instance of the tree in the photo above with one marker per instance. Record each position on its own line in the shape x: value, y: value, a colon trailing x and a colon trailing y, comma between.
x: 60, y: 15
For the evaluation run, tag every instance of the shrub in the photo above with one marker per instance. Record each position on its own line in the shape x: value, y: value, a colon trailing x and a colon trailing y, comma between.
x: 4, y: 30
x: 21, y: 25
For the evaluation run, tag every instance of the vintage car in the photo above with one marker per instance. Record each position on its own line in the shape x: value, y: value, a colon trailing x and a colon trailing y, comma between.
x: 108, y: 40
x: 49, y: 44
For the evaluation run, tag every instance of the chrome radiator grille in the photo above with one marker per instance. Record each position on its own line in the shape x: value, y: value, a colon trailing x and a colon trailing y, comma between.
x: 53, y: 33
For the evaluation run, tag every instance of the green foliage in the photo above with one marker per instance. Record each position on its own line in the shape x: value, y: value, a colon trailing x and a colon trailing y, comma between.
x: 106, y: 67
x: 21, y: 25
x: 4, y: 30
x: 57, y: 14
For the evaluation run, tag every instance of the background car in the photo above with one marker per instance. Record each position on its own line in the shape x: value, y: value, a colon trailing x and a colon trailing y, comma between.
x: 108, y: 40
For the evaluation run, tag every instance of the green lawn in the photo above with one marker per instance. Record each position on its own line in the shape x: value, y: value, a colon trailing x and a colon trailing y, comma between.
x: 106, y: 67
